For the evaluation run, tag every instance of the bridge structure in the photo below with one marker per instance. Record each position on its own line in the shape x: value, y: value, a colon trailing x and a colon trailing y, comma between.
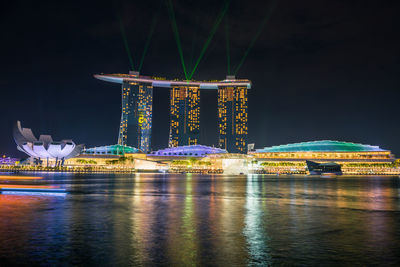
x: 137, y: 104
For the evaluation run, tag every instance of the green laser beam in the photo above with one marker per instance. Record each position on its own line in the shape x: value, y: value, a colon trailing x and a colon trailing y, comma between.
x: 152, y: 28
x: 210, y: 36
x: 228, y: 58
x: 176, y: 35
x: 128, y: 51
x: 259, y: 30
x: 194, y: 37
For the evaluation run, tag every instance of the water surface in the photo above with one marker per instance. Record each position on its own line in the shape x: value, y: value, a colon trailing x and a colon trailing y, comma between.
x: 193, y: 220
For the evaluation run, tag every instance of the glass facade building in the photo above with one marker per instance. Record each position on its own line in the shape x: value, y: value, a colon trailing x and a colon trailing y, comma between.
x: 136, y: 116
x: 188, y: 151
x: 184, y: 116
x: 353, y: 158
x: 110, y: 150
x: 325, y: 150
x: 232, y: 118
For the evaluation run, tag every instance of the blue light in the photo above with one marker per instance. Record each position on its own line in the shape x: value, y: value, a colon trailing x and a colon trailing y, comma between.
x: 54, y: 190
x: 30, y: 193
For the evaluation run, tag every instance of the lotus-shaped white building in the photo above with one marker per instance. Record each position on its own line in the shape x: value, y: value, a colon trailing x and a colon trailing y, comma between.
x: 45, y: 147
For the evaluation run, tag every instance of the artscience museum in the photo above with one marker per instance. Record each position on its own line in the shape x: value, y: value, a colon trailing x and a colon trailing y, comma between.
x: 44, y: 148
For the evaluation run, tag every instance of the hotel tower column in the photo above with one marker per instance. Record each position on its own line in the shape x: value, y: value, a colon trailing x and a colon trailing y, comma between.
x: 232, y: 117
x: 184, y: 116
x: 136, y: 115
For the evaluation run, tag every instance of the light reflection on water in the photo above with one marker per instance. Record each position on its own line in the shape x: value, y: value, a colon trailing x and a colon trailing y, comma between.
x: 254, y: 231
x: 191, y: 220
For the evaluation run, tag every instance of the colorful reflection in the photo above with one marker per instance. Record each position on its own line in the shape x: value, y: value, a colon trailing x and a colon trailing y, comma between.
x: 255, y: 219
x: 196, y: 220
x: 13, y: 177
x: 18, y: 186
x: 26, y: 224
x: 182, y: 237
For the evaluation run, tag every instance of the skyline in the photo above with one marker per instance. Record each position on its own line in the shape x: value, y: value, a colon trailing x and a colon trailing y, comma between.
x: 344, y: 76
x: 185, y: 97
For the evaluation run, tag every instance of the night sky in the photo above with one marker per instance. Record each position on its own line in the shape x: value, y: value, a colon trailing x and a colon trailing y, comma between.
x: 320, y: 69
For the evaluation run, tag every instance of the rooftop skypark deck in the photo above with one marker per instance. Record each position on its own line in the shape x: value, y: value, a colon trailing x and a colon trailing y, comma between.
x: 163, y: 82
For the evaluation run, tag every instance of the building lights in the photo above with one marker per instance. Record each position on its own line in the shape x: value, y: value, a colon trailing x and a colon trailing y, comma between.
x: 232, y: 115
x: 136, y: 117
x: 184, y: 116
x: 135, y: 127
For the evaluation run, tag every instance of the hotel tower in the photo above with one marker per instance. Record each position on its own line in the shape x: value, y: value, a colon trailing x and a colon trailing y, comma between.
x: 232, y: 117
x: 137, y: 102
x: 136, y: 115
x: 184, y: 116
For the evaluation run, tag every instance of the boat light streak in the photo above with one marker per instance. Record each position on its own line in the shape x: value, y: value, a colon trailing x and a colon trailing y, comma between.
x: 4, y: 186
x: 9, y: 177
x: 32, y: 193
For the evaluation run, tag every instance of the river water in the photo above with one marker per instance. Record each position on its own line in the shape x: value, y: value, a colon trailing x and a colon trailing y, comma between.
x: 194, y: 220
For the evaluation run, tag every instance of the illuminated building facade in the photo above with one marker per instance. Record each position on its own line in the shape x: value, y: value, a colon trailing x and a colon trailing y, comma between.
x: 232, y: 118
x: 8, y: 161
x: 136, y: 117
x: 44, y: 148
x: 325, y: 151
x: 184, y: 116
x: 110, y: 150
x: 187, y: 151
x: 137, y: 92
x: 354, y: 159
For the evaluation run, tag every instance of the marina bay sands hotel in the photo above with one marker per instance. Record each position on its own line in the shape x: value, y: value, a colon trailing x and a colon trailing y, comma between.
x: 137, y: 105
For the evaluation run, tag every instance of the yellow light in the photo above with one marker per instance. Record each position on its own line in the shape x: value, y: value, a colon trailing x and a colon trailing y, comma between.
x: 6, y: 177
